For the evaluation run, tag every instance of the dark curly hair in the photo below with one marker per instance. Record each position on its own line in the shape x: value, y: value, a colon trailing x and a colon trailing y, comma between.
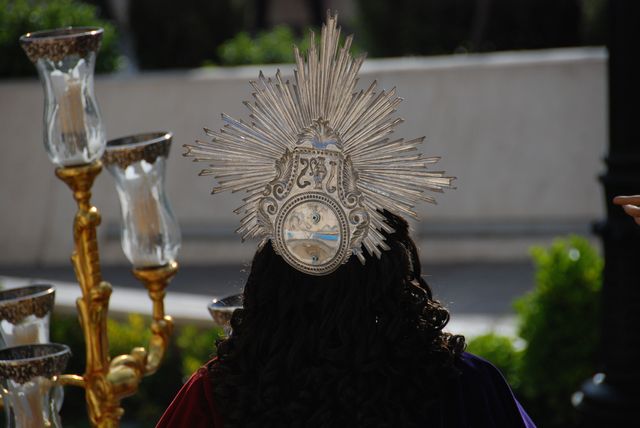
x: 362, y: 346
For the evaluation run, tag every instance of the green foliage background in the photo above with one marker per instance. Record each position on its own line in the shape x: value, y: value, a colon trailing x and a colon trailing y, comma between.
x: 559, y: 321
x: 268, y: 47
x: 18, y: 17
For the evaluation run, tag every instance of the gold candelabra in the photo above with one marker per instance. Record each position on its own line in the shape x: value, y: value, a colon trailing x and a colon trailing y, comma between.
x: 75, y: 141
x: 108, y: 380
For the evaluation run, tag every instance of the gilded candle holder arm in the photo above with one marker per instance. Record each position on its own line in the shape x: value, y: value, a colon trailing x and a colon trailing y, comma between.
x: 156, y: 280
x: 102, y: 402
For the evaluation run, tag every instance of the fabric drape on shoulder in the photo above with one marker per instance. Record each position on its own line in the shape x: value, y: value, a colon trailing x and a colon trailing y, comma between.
x: 478, y: 398
x: 193, y: 406
x: 481, y: 398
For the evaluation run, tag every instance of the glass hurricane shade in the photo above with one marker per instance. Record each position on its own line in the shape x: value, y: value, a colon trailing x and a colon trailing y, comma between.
x: 65, y: 60
x: 150, y: 233
x: 221, y: 311
x: 25, y: 314
x: 31, y: 394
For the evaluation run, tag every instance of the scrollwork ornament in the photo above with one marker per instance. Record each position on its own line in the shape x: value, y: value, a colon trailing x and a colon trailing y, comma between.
x: 266, y: 210
x: 359, y: 219
x: 331, y: 187
x: 349, y: 193
x: 281, y: 185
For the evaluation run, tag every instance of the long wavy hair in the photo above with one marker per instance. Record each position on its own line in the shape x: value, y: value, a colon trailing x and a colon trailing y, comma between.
x: 362, y: 346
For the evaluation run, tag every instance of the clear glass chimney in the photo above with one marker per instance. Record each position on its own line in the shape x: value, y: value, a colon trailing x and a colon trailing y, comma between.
x: 30, y: 390
x: 25, y: 314
x: 65, y: 59
x: 150, y: 232
x: 222, y: 310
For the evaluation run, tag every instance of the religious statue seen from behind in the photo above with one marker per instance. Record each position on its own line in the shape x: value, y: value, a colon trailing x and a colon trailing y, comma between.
x: 338, y: 328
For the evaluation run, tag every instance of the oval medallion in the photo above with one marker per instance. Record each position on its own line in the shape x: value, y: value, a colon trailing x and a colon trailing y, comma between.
x: 312, y: 233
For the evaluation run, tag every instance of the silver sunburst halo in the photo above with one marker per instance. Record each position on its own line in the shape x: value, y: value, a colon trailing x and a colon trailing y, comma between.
x: 317, y: 162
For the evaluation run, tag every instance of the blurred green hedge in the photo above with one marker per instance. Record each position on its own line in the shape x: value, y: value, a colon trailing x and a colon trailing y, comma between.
x: 190, y: 347
x: 559, y: 321
x: 268, y: 47
x: 18, y: 17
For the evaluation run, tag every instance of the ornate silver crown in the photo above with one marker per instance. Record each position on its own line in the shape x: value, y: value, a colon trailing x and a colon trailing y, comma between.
x: 317, y: 162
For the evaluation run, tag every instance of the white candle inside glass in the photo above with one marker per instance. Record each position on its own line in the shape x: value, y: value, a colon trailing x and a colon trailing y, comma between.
x: 68, y: 92
x: 24, y: 334
x: 143, y: 217
x: 29, y: 401
x: 31, y: 329
x: 72, y: 116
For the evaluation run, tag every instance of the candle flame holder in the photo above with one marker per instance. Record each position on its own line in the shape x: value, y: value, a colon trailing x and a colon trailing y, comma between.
x: 29, y: 384
x: 25, y: 313
x: 221, y: 310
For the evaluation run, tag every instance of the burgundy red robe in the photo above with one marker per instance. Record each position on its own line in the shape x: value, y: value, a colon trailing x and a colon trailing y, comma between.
x: 478, y: 398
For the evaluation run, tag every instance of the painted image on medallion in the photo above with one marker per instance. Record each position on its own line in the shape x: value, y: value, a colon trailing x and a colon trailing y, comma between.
x: 312, y: 233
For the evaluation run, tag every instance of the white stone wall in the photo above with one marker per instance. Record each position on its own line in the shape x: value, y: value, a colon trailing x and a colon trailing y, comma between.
x: 524, y: 133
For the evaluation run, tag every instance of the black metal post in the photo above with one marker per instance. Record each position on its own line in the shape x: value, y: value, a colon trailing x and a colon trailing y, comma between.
x: 612, y: 398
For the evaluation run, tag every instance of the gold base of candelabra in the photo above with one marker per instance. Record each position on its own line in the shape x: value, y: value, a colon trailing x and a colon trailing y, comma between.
x: 107, y: 381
